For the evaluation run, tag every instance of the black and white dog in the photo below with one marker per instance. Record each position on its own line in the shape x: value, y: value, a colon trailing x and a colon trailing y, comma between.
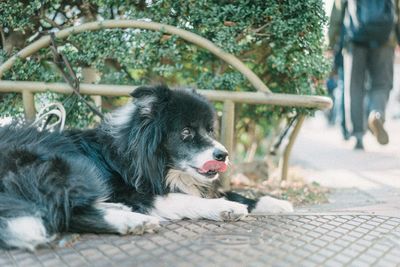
x: 153, y: 159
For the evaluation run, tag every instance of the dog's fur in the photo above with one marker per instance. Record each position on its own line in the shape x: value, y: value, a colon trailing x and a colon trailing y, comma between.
x: 139, y: 166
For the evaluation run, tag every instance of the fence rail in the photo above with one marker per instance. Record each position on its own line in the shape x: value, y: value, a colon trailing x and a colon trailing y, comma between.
x: 306, y: 101
x: 29, y: 88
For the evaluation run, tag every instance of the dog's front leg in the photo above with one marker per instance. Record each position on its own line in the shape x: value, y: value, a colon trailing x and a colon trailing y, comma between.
x: 265, y: 204
x: 175, y: 206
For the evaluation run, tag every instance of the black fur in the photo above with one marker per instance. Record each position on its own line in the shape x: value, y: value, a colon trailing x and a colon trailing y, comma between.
x: 44, y: 175
x: 232, y: 196
x: 59, y: 177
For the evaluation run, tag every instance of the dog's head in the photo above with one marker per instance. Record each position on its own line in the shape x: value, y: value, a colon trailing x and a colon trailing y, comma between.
x: 172, y: 129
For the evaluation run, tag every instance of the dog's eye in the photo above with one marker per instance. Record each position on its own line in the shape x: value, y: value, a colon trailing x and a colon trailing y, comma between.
x: 210, y: 130
x: 187, y: 133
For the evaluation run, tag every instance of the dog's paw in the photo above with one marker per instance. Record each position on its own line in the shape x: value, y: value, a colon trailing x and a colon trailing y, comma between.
x: 126, y: 222
x: 272, y: 205
x: 151, y: 225
x: 232, y: 215
x: 224, y: 210
x: 27, y: 232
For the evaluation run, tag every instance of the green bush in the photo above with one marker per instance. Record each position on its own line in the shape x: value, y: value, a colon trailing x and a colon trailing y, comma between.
x: 280, y: 40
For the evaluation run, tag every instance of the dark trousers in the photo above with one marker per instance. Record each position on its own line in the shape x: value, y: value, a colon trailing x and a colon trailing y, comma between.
x: 361, y: 62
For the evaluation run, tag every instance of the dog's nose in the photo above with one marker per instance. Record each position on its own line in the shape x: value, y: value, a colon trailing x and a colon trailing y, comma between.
x: 220, y: 155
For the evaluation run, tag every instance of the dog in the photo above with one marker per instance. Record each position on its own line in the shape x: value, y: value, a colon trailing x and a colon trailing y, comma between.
x: 154, y: 159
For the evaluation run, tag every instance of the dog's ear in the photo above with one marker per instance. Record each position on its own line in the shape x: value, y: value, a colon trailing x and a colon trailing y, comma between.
x: 160, y: 91
x: 150, y: 158
x: 149, y: 98
x: 143, y: 142
x: 143, y: 91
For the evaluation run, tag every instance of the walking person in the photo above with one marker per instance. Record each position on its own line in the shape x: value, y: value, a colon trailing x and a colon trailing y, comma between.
x: 336, y: 40
x: 369, y: 43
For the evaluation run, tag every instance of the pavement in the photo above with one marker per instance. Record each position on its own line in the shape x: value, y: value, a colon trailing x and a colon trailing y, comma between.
x: 361, y: 181
x: 263, y: 240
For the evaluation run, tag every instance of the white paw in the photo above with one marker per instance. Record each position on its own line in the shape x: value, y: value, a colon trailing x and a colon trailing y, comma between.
x: 27, y: 232
x: 224, y: 210
x: 127, y: 222
x: 272, y: 205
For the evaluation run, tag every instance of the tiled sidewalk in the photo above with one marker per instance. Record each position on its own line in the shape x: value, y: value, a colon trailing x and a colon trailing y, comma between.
x: 274, y: 240
x: 361, y: 181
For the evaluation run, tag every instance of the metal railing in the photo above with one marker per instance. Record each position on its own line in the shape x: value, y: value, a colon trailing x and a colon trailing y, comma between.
x: 263, y: 96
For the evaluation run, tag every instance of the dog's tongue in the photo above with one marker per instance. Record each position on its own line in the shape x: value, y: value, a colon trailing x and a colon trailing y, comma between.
x: 213, y: 165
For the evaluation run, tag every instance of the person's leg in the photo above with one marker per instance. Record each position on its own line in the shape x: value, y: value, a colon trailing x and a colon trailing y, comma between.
x: 380, y: 66
x: 331, y: 85
x: 354, y: 87
x: 340, y: 109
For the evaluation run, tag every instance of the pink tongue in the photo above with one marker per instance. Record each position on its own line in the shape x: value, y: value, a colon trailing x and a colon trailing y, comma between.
x: 213, y: 165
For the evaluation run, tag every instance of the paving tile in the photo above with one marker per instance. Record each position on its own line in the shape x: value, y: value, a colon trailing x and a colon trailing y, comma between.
x: 279, y: 240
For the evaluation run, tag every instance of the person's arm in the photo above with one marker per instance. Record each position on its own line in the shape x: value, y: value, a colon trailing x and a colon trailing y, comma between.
x: 335, y: 23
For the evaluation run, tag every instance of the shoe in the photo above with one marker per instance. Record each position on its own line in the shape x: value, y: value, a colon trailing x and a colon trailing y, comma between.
x: 375, y: 124
x: 359, y: 144
x: 345, y: 134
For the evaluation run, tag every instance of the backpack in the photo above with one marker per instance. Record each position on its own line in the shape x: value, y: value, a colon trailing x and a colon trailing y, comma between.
x: 369, y: 22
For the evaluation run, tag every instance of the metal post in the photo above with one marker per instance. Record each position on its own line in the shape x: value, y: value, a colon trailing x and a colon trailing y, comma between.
x: 92, y: 76
x: 227, y: 136
x: 28, y: 101
x: 97, y: 101
x: 284, y: 161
